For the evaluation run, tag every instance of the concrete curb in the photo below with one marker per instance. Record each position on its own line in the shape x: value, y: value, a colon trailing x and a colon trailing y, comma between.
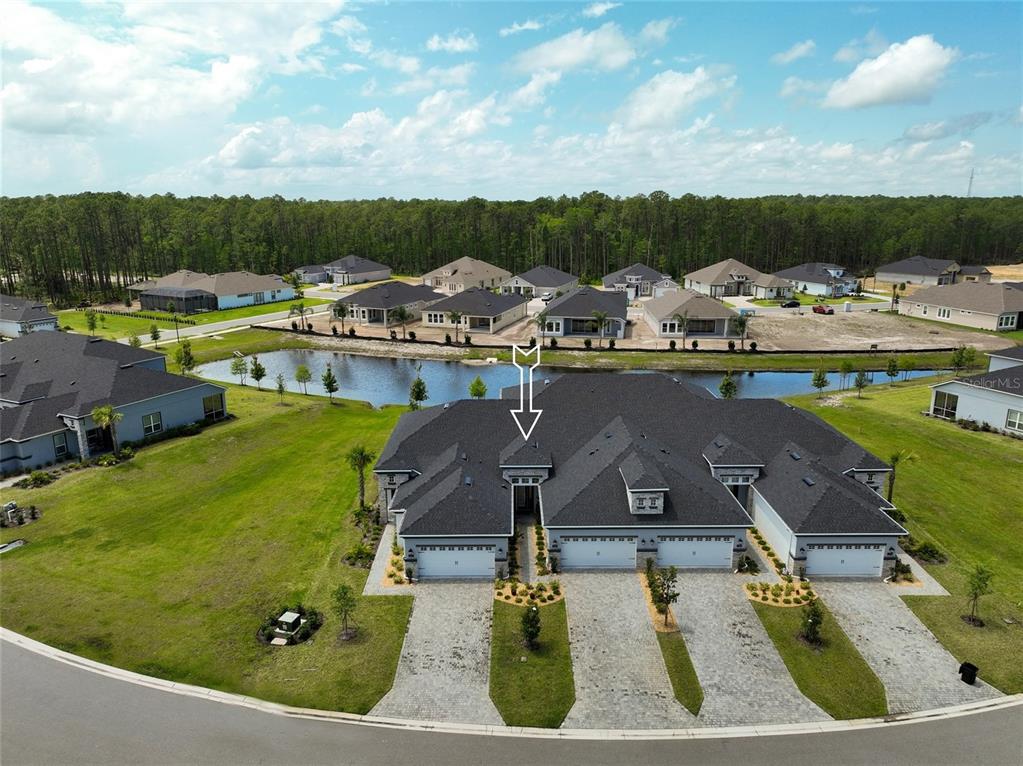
x: 730, y: 732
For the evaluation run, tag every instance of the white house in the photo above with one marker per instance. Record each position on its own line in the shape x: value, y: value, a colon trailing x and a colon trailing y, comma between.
x: 996, y: 306
x: 994, y: 397
x: 463, y: 273
x: 19, y: 316
x: 355, y: 270
x: 731, y: 277
x: 194, y: 291
x: 827, y: 279
x: 636, y: 281
x: 539, y: 280
x: 478, y: 310
x: 705, y: 316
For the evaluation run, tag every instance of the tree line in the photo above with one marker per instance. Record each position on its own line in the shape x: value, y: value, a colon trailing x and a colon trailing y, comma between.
x: 91, y: 245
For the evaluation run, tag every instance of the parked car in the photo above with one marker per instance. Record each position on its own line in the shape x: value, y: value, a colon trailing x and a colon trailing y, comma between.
x: 547, y: 297
x: 822, y: 309
x: 791, y: 304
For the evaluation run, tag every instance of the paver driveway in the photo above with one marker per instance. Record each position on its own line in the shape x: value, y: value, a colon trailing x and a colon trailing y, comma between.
x: 444, y: 670
x: 918, y: 673
x: 620, y: 679
x: 743, y: 677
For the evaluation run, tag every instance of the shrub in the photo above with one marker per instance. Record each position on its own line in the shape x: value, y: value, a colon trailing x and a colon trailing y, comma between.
x: 333, y: 329
x: 776, y: 590
x: 751, y: 586
x: 764, y: 597
x: 786, y: 600
x: 541, y: 588
x: 556, y: 587
x: 554, y: 342
x: 468, y: 339
x: 695, y: 344
x: 412, y: 335
x: 611, y: 343
x: 671, y: 345
x: 753, y: 346
x: 351, y: 332
x: 107, y: 460
x: 447, y: 339
x: 774, y: 600
x: 507, y: 597
x: 588, y: 343
x: 518, y: 601
x: 359, y: 554
x: 731, y: 345
x: 36, y: 479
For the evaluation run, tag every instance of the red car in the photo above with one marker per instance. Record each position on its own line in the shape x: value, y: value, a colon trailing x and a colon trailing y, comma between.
x: 822, y: 309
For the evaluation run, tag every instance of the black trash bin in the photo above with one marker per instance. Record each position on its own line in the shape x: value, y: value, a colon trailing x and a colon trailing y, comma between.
x: 968, y: 672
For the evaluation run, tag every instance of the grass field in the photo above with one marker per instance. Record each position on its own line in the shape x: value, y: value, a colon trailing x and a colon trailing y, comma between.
x: 808, y: 300
x: 247, y: 341
x: 833, y: 675
x: 540, y: 691
x: 680, y: 668
x: 167, y: 564
x: 963, y: 493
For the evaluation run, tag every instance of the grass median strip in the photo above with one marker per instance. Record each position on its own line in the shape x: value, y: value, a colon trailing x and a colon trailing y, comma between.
x: 681, y: 671
x: 833, y: 675
x: 540, y: 691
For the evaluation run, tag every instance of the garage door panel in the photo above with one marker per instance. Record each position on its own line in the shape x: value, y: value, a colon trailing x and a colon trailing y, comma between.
x: 597, y: 552
x: 695, y: 551
x: 844, y: 560
x: 455, y: 561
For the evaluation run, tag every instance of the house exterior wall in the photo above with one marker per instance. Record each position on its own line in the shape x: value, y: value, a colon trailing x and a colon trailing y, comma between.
x: 312, y: 276
x: 283, y: 293
x: 722, y: 328
x: 500, y: 543
x: 980, y: 404
x: 909, y: 307
x: 646, y: 536
x: 505, y: 318
x: 362, y: 314
x: 895, y: 277
x: 522, y: 287
x: 998, y: 363
x: 342, y: 278
x: 771, y: 292
x: 560, y: 328
x: 9, y: 329
x: 36, y: 452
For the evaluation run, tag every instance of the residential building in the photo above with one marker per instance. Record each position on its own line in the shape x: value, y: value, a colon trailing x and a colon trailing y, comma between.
x: 996, y: 306
x: 311, y: 275
x: 539, y: 280
x: 375, y: 305
x: 920, y: 270
x: 665, y: 285
x: 826, y: 279
x: 731, y: 277
x: 572, y: 313
x: 479, y: 310
x: 636, y: 281
x: 52, y: 381
x: 974, y: 274
x: 354, y: 270
x: 190, y: 292
x: 621, y: 468
x: 707, y: 317
x: 20, y: 316
x: 464, y: 273
x: 994, y: 397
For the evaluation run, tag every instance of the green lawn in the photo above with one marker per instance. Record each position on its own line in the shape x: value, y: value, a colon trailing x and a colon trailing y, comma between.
x: 962, y: 492
x: 166, y: 565
x: 540, y: 691
x: 247, y: 341
x: 808, y: 300
x: 833, y: 675
x: 681, y: 671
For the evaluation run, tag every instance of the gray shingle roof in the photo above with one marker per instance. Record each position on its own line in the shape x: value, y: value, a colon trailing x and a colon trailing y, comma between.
x: 389, y: 295
x: 13, y: 309
x: 355, y: 264
x: 1016, y: 352
x: 583, y: 301
x: 817, y: 273
x: 644, y: 272
x: 982, y: 297
x: 1008, y: 380
x: 476, y: 301
x: 547, y: 276
x: 695, y: 305
x: 919, y: 265
x: 723, y: 451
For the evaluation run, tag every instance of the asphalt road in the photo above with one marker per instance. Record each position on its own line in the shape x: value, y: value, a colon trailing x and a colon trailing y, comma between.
x: 54, y: 713
x: 184, y: 331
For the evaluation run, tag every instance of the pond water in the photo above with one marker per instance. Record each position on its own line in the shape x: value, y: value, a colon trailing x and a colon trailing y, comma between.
x: 383, y: 380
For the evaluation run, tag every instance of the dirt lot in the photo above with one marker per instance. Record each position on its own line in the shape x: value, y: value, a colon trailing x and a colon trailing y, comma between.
x: 1013, y: 273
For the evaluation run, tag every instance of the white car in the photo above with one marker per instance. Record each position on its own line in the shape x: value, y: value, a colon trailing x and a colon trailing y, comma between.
x: 547, y: 297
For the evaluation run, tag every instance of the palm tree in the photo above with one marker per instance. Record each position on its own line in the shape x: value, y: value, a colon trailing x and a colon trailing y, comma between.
x: 300, y: 309
x: 359, y: 459
x: 402, y: 315
x: 541, y: 323
x: 106, y: 418
x: 897, y: 458
x: 341, y: 311
x: 740, y: 324
x: 456, y: 318
x: 682, y: 320
x: 601, y: 318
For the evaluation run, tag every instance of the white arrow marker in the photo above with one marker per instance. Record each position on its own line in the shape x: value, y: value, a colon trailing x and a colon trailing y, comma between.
x: 525, y: 416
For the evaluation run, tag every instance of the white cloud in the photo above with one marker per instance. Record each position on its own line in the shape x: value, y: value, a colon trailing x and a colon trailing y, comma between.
x: 529, y: 25
x: 907, y: 72
x: 350, y: 67
x: 872, y: 44
x: 796, y: 52
x: 797, y: 86
x: 396, y: 61
x: 435, y: 77
x: 596, y: 10
x: 604, y: 49
x: 661, y: 101
x: 347, y: 26
x: 656, y: 32
x: 534, y: 92
x: 932, y: 131
x: 836, y: 151
x: 453, y: 43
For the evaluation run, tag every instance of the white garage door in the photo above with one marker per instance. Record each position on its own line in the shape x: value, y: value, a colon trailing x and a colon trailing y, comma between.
x: 695, y: 551
x: 844, y: 560
x: 435, y: 561
x: 598, y: 552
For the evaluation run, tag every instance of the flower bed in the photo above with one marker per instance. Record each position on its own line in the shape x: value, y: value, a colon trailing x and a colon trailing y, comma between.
x: 791, y: 592
x: 523, y: 594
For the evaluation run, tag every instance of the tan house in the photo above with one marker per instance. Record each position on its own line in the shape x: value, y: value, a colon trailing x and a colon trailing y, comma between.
x: 464, y: 273
x: 731, y: 277
x: 707, y: 318
x: 985, y: 306
x: 478, y: 310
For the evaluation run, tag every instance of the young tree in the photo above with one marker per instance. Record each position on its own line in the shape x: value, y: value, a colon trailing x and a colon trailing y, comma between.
x: 282, y: 386
x: 477, y: 388
x: 345, y: 604
x: 154, y: 335
x: 600, y: 317
x: 740, y: 326
x: 240, y: 367
x: 417, y: 391
x: 107, y: 418
x: 541, y: 323
x: 908, y: 365
x: 303, y: 376
x: 359, y: 459
x: 134, y: 341
x: 341, y: 311
x: 892, y: 370
x: 820, y: 381
x: 183, y: 356
x: 330, y: 384
x: 728, y: 387
x: 682, y: 320
x: 172, y: 310
x: 897, y: 458
x: 844, y: 371
x: 813, y: 620
x: 667, y: 591
x: 978, y: 585
x: 300, y: 310
x: 455, y: 317
x: 531, y: 627
x: 257, y: 371
x: 401, y: 315
x: 861, y: 382
x: 90, y: 321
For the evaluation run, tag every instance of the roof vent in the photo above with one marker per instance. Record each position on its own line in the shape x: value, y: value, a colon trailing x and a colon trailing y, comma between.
x: 464, y: 456
x: 795, y: 456
x: 719, y: 444
x: 808, y: 481
x: 445, y: 405
x: 593, y: 452
x: 608, y: 435
x: 468, y: 481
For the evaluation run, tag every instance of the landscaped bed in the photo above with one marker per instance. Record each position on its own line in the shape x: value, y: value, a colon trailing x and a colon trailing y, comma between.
x: 539, y: 691
x: 681, y: 673
x: 528, y: 594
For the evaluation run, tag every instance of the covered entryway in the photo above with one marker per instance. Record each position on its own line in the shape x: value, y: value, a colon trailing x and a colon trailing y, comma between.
x: 861, y: 560
x: 454, y: 561
x: 695, y: 551
x: 598, y: 552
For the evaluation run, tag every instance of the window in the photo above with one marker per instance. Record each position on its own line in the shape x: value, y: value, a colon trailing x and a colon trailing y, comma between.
x: 1014, y: 420
x: 640, y: 502
x: 152, y: 423
x: 213, y: 406
x: 1006, y: 321
x: 923, y: 310
x: 944, y: 313
x: 60, y: 444
x: 945, y: 405
x: 701, y: 325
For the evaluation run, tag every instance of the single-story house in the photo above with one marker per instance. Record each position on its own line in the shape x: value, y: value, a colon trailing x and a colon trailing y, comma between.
x: 20, y: 316
x: 539, y: 280
x: 827, y: 279
x: 996, y: 306
x: 731, y: 277
x: 52, y: 381
x: 464, y: 273
x: 354, y: 270
x: 572, y: 313
x: 480, y: 310
x: 635, y: 281
x: 665, y: 285
x: 707, y: 317
x: 994, y: 397
x: 194, y: 291
x: 375, y: 305
x: 613, y: 479
x: 311, y: 275
x: 920, y: 270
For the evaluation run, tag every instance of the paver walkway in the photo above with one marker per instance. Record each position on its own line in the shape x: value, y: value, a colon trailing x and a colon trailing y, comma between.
x: 918, y: 673
x: 444, y: 670
x: 743, y: 677
x: 620, y: 679
x: 375, y: 582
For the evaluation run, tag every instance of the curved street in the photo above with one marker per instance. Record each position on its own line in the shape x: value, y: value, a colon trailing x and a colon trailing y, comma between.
x: 52, y: 712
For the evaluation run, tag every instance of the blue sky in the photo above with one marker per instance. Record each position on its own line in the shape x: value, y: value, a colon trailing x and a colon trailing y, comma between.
x: 512, y: 100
